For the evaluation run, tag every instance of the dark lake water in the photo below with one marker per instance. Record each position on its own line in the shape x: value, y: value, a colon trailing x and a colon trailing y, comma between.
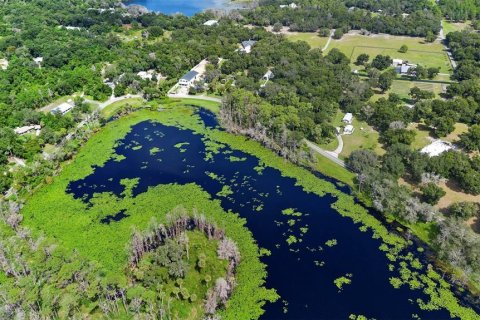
x: 305, y: 285
x: 186, y: 7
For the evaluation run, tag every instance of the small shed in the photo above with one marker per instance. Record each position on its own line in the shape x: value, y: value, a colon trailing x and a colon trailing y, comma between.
x: 348, y: 118
x: 3, y: 64
x: 210, y: 23
x: 397, y: 62
x: 63, y: 108
x: 268, y: 75
x: 349, y: 129
x: 247, y: 45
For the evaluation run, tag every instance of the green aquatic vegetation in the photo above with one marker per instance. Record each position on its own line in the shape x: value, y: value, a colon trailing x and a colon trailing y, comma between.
x: 181, y: 146
x: 213, y: 176
x: 291, y: 212
x: 137, y: 148
x: 154, y: 151
x: 345, y: 204
x: 340, y: 282
x: 225, y: 192
x: 258, y: 208
x: 304, y: 230
x: 396, y: 282
x: 331, y: 243
x: 291, y: 239
x: 259, y: 169
x: 129, y: 184
x: 118, y: 157
x: 357, y: 317
x: 236, y: 159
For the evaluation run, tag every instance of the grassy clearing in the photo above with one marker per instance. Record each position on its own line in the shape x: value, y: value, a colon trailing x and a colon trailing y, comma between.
x: 449, y: 26
x: 455, y: 135
x: 426, y: 54
x: 209, y: 105
x: 422, y: 136
x: 402, y: 88
x: 311, y: 38
x: 454, y: 194
x: 109, y: 110
x: 331, y: 169
x: 364, y: 137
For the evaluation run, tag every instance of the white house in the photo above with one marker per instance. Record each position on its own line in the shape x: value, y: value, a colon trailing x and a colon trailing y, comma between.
x: 436, y: 148
x: 404, y: 68
x: 146, y: 75
x: 291, y: 6
x: 73, y: 28
x: 26, y: 129
x: 3, y: 64
x: 188, y: 79
x: 268, y: 75
x: 38, y: 60
x: 349, y: 129
x: 247, y: 45
x: 211, y: 23
x: 348, y: 118
x: 63, y: 108
x: 397, y: 62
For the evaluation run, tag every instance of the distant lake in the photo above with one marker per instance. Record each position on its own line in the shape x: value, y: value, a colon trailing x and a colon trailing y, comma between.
x: 186, y: 7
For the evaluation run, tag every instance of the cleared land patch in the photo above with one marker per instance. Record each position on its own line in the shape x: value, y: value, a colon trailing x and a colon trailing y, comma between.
x: 364, y: 137
x: 419, y: 52
x: 312, y: 38
x: 454, y: 26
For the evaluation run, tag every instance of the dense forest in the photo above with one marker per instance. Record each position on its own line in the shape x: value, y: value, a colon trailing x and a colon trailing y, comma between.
x: 313, y: 15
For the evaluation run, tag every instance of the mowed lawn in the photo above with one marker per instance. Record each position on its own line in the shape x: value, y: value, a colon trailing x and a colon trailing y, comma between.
x: 402, y: 88
x: 109, y: 110
x: 419, y: 52
x: 364, y: 137
x: 311, y: 38
x: 454, y: 26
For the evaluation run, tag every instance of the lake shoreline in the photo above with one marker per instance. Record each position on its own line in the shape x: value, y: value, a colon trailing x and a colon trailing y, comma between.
x: 172, y: 8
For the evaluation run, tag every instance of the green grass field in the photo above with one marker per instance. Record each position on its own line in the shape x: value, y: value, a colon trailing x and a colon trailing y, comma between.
x: 402, y: 88
x: 111, y: 109
x: 360, y: 139
x: 311, y: 38
x: 454, y: 26
x: 331, y: 169
x: 426, y: 54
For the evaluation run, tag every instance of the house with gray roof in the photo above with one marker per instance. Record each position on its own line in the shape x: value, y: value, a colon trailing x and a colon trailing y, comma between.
x: 189, y: 78
x: 247, y: 45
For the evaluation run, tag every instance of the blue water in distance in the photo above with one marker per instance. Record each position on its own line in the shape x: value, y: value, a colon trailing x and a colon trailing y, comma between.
x: 307, y: 290
x: 186, y: 7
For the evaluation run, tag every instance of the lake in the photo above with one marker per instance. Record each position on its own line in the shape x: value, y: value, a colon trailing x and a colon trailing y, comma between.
x: 311, y: 244
x: 186, y: 7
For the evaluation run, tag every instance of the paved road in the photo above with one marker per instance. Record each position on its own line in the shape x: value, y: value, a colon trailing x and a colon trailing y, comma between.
x: 327, y: 154
x: 187, y: 96
x: 340, y: 145
x: 441, y: 36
